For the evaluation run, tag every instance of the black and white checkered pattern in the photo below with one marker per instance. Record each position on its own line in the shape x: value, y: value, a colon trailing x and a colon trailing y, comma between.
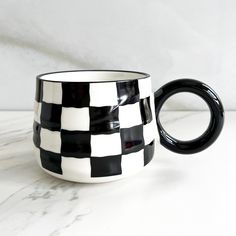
x: 85, y: 130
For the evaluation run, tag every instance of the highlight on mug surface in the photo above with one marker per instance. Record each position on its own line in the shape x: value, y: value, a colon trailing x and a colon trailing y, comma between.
x: 98, y: 126
x: 94, y: 126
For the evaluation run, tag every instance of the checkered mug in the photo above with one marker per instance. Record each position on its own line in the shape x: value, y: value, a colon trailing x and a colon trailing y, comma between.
x: 101, y: 125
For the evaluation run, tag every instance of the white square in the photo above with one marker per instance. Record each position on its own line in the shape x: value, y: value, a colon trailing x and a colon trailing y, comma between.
x: 132, y: 162
x: 50, y: 140
x: 75, y: 118
x: 130, y: 115
x: 103, y: 94
x: 145, y: 87
x: 149, y: 132
x: 37, y: 155
x: 152, y: 105
x: 37, y: 111
x: 105, y: 145
x: 76, y: 168
x: 52, y: 92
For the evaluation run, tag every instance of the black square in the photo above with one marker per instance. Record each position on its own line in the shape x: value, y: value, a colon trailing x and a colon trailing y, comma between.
x: 36, y: 134
x: 149, y: 152
x: 105, y: 166
x: 132, y: 139
x: 39, y: 90
x: 75, y: 143
x: 128, y: 92
x: 51, y: 116
x: 51, y: 161
x: 75, y: 94
x: 145, y: 109
x: 104, y: 120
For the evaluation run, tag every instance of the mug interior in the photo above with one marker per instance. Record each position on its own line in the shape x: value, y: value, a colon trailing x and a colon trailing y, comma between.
x: 92, y: 76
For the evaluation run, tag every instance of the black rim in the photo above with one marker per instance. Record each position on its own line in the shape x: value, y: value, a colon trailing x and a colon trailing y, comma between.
x: 143, y: 75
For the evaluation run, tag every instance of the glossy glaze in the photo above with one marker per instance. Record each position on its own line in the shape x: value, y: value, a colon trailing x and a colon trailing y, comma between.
x: 103, y: 130
x: 216, y: 121
x: 93, y: 132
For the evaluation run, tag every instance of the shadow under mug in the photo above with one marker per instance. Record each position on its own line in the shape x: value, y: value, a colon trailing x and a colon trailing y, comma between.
x: 101, y: 125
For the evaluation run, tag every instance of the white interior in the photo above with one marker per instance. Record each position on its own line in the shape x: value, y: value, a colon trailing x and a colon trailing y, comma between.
x: 92, y: 76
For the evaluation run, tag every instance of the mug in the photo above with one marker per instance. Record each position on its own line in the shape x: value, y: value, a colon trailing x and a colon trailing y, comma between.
x: 101, y: 125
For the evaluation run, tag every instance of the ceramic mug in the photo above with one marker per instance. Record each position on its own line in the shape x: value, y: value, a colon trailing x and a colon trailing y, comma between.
x: 101, y: 125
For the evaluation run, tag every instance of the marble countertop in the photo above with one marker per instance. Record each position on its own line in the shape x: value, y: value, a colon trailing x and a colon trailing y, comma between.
x: 174, y: 195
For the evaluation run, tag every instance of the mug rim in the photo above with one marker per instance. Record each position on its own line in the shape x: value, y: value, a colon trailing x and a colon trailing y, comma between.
x: 142, y: 75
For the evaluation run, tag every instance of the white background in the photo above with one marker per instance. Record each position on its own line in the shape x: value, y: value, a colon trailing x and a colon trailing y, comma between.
x: 177, y: 195
x: 167, y: 38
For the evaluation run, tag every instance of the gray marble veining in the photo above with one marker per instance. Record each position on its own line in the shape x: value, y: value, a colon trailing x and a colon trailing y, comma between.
x: 34, y: 203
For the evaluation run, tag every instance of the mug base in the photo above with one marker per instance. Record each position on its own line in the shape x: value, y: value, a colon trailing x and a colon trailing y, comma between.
x: 93, y: 180
x: 74, y: 176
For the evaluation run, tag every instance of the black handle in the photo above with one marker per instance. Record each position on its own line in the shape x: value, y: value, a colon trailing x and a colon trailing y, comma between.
x: 215, y: 106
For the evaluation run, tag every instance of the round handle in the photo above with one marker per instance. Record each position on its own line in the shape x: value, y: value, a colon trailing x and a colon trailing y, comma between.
x: 216, y: 121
